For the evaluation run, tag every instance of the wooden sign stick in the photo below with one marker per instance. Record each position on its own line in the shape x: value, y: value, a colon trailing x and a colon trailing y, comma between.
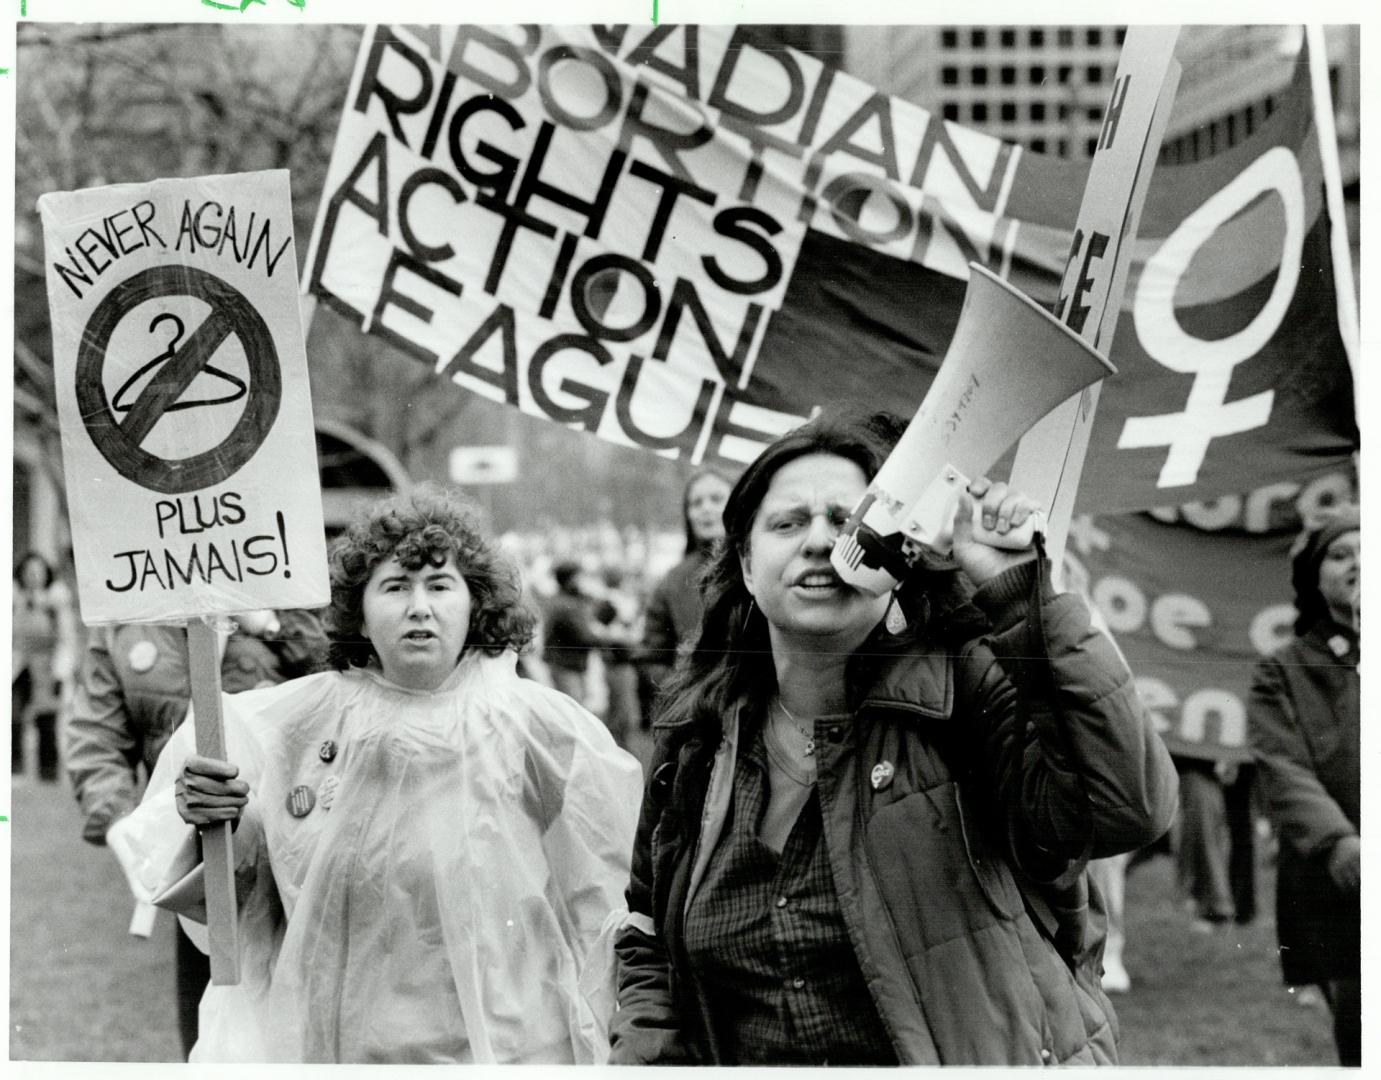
x: 217, y: 848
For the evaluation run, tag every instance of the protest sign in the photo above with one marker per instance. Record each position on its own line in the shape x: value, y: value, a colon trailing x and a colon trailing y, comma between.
x: 182, y: 393
x: 1050, y: 458
x: 677, y: 241
x: 1196, y: 596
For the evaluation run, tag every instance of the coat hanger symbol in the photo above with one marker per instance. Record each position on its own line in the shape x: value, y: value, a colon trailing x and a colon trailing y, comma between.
x: 120, y: 403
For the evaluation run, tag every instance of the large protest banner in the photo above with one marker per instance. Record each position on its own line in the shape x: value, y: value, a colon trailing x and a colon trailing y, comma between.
x: 182, y: 393
x: 680, y: 242
x: 1195, y: 596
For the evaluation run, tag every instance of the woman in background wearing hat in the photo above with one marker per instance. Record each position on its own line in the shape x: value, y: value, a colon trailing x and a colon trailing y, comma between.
x: 1304, y: 724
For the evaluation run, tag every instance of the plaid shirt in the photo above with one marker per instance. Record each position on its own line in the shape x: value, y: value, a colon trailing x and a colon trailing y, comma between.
x: 768, y: 941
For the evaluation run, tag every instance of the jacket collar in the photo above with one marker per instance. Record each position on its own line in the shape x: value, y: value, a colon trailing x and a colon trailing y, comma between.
x: 916, y: 684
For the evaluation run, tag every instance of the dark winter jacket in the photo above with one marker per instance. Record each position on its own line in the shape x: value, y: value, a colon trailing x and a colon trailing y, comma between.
x: 1304, y: 728
x: 959, y: 871
x: 134, y: 689
x: 671, y: 621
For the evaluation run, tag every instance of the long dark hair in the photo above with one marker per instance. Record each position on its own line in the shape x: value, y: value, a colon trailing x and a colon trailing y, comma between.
x: 729, y: 655
x: 694, y: 544
x: 424, y: 526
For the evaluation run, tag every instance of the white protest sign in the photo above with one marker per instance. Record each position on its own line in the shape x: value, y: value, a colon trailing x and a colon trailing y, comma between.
x: 1050, y: 457
x: 182, y: 392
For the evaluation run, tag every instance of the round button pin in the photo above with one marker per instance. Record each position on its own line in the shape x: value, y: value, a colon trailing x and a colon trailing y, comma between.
x: 882, y: 775
x: 301, y: 800
x: 143, y: 655
x: 327, y: 753
x: 328, y: 791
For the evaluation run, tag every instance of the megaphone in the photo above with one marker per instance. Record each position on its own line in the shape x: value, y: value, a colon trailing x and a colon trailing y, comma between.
x: 1009, y: 363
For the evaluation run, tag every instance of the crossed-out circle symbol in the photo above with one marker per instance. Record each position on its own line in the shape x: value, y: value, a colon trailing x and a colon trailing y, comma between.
x: 120, y: 440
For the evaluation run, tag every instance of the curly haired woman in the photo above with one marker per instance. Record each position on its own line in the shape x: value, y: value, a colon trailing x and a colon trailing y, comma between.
x: 426, y: 843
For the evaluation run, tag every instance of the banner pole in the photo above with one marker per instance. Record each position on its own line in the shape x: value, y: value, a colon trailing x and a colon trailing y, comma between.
x: 1341, y: 250
x: 217, y: 846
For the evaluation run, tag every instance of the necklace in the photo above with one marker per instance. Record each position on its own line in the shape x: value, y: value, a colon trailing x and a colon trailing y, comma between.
x: 805, y: 732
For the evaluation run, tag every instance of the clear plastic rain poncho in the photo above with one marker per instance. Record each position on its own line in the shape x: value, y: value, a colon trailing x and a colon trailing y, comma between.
x: 438, y: 899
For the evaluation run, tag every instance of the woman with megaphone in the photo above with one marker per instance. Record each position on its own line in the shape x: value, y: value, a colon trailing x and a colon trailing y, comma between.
x: 865, y: 834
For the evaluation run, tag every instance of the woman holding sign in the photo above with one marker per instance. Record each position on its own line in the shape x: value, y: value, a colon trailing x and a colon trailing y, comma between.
x: 865, y: 835
x: 426, y: 843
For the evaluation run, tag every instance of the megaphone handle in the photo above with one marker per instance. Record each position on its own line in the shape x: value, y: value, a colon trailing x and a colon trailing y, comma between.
x: 1018, y: 539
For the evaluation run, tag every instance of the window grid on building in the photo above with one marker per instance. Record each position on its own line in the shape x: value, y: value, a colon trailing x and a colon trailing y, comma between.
x: 1042, y: 87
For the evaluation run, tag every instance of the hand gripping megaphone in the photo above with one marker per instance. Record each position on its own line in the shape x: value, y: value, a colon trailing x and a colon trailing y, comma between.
x: 1009, y: 363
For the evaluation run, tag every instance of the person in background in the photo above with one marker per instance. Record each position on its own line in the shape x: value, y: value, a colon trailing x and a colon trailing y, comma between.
x: 568, y: 632
x: 866, y: 834
x: 1215, y: 841
x: 616, y: 614
x: 672, y: 618
x: 1304, y: 729
x: 42, y: 656
x: 132, y: 692
x: 427, y: 843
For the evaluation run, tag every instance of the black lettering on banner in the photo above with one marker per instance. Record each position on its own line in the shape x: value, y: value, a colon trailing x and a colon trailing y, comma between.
x: 937, y: 137
x: 501, y: 47
x: 429, y: 36
x: 600, y: 274
x: 389, y: 294
x: 683, y: 440
x: 723, y: 428
x: 443, y: 101
x: 816, y: 106
x: 440, y: 177
x: 1078, y: 312
x: 673, y: 187
x: 394, y: 104
x: 758, y: 141
x: 1062, y: 301
x: 847, y: 195
x: 738, y: 48
x: 934, y: 213
x: 685, y: 298
x: 730, y: 223
x: 532, y: 184
x: 515, y: 218
x: 500, y: 321
x: 375, y: 208
x: 499, y: 180
x: 119, y: 441
x: 588, y: 415
x: 613, y: 87
x: 610, y: 38
x: 559, y: 269
x: 878, y: 107
x: 688, y: 74
x: 669, y: 144
x: 1114, y: 113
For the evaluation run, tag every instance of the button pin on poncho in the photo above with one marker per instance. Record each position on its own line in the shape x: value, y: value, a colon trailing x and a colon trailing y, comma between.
x: 327, y: 795
x: 327, y: 753
x: 301, y: 800
x: 882, y: 775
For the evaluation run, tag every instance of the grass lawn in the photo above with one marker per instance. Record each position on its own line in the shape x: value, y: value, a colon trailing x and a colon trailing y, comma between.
x: 82, y: 989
